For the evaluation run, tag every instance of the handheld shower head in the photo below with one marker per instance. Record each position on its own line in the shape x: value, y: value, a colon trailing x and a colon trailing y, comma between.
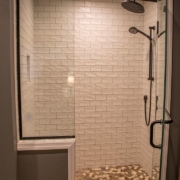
x: 133, y: 30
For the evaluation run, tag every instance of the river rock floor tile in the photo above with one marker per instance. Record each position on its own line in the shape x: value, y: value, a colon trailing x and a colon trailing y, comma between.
x: 155, y: 173
x: 132, y: 172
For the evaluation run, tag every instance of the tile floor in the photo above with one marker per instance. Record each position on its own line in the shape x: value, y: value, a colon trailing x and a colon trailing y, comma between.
x: 132, y: 172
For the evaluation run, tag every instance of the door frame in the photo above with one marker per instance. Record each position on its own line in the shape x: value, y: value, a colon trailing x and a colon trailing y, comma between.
x: 168, y: 84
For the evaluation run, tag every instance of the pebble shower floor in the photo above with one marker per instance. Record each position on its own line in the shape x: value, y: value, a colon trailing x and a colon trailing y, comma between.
x: 132, y: 172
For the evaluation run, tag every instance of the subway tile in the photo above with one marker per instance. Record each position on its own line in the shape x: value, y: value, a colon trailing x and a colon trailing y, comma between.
x: 38, y: 8
x: 83, y: 9
x: 92, y: 39
x: 43, y: 14
x: 49, y: 8
x: 49, y: 20
x: 67, y: 15
x: 43, y: 2
x: 55, y: 2
x: 55, y: 14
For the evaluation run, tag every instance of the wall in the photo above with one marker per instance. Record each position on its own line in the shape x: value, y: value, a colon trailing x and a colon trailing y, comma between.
x: 150, y: 19
x: 174, y: 137
x: 8, y: 152
x: 27, y: 49
x: 43, y: 165
x: 108, y: 84
x: 54, y: 68
x: 108, y: 78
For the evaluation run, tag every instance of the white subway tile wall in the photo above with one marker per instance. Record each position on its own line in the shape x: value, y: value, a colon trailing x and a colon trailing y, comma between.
x: 54, y: 67
x: 93, y: 37
x: 108, y: 85
x: 150, y: 19
x: 27, y: 74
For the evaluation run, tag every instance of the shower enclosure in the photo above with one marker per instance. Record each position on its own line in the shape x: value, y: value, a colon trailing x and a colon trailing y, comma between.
x: 83, y: 75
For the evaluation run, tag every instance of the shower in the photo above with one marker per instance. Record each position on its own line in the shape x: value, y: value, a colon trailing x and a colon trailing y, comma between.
x: 91, y: 83
x: 134, y: 30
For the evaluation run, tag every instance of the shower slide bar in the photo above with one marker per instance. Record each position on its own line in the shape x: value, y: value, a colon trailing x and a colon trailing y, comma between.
x: 152, y: 129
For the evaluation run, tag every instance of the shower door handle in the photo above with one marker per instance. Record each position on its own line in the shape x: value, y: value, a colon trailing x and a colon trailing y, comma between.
x: 152, y: 129
x: 152, y: 134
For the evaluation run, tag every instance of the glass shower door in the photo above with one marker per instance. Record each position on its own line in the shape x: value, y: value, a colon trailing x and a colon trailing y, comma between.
x: 45, y: 44
x: 160, y: 102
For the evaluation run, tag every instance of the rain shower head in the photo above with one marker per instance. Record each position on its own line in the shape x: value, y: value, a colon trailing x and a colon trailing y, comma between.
x: 133, y: 30
x: 133, y: 6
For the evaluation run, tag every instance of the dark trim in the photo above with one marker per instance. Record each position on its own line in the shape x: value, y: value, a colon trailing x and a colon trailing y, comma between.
x: 8, y: 128
x: 18, y: 66
x: 165, y: 92
x: 173, y: 160
x: 47, y: 137
x: 19, y: 84
x: 165, y: 84
x: 152, y: 0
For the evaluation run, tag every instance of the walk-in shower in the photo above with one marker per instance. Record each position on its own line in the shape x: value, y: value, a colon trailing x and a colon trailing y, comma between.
x: 86, y: 78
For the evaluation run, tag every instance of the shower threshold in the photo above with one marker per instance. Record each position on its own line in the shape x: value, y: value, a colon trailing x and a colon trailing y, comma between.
x: 131, y: 172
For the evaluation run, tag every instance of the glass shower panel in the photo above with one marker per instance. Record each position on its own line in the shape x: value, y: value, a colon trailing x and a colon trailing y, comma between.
x: 160, y: 86
x: 46, y: 61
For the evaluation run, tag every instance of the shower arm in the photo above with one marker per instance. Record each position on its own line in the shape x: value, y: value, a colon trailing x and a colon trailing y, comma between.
x: 144, y: 34
x: 161, y: 34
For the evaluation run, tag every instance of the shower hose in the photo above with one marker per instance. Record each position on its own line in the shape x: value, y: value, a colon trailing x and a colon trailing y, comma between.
x: 145, y: 106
